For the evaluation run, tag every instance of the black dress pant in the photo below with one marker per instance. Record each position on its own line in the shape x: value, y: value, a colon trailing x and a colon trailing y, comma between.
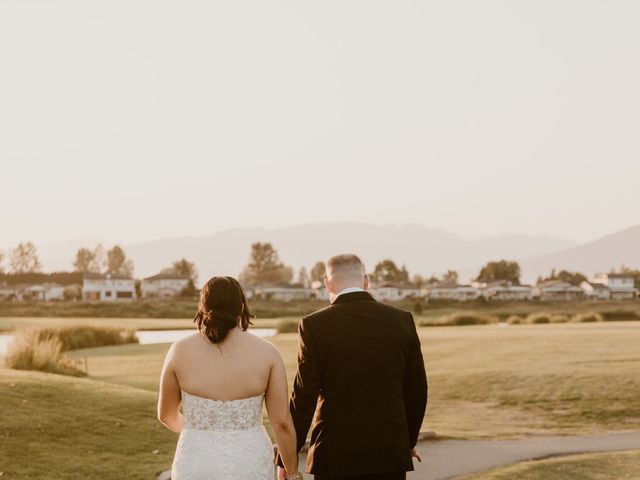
x: 384, y: 476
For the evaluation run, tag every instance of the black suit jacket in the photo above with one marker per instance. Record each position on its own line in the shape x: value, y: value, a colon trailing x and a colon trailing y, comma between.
x: 361, y: 374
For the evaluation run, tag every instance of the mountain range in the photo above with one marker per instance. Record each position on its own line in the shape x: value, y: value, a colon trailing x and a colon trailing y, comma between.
x: 423, y: 250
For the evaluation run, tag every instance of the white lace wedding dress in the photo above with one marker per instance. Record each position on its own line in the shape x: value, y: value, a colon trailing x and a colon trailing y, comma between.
x: 222, y: 440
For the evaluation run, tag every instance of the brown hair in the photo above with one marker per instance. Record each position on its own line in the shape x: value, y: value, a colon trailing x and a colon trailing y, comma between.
x: 222, y: 307
x: 346, y: 263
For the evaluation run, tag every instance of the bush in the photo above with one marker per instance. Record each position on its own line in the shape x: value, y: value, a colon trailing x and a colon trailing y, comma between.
x: 515, y: 320
x: 75, y: 337
x: 538, y: 318
x: 587, y: 317
x: 559, y: 318
x: 42, y: 348
x: 418, y: 308
x: 461, y: 319
x: 617, y: 315
x: 45, y: 355
x: 287, y: 326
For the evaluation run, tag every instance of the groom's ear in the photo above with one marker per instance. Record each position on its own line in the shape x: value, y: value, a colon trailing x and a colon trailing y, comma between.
x: 366, y: 281
x: 327, y: 284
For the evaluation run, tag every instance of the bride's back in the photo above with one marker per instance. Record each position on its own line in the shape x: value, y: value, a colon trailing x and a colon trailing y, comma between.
x: 236, y: 368
x: 223, y: 361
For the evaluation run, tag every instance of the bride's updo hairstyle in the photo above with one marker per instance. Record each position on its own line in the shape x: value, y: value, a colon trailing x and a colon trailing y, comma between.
x: 222, y: 307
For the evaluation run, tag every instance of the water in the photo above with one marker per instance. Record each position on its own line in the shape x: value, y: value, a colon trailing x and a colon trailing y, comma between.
x: 4, y: 343
x: 147, y: 337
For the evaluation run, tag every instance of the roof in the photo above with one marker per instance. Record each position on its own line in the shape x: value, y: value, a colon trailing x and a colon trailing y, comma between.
x: 619, y: 275
x: 168, y: 276
x: 396, y: 285
x: 104, y: 276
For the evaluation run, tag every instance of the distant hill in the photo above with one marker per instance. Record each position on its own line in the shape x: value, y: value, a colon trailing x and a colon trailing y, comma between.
x: 611, y: 251
x: 423, y: 250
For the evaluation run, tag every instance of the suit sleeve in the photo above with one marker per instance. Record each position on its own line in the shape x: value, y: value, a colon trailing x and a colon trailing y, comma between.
x: 306, y: 386
x: 415, y: 385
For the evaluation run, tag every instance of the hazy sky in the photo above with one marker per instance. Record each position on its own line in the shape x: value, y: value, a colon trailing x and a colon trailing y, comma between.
x: 133, y: 120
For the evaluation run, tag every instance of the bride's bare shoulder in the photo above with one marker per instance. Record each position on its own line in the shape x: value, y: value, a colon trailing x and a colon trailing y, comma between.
x: 262, y: 344
x: 188, y: 341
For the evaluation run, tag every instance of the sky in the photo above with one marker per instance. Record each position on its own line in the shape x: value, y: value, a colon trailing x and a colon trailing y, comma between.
x: 135, y: 120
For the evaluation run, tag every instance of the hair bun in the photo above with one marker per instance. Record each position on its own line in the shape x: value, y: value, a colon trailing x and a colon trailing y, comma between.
x: 222, y: 307
x: 217, y: 325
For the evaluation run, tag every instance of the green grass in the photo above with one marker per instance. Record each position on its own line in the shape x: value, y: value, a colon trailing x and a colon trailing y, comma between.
x: 52, y: 426
x: 599, y: 466
x: 485, y: 381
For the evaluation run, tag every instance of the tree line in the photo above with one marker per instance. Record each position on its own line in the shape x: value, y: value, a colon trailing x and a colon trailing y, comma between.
x: 264, y: 267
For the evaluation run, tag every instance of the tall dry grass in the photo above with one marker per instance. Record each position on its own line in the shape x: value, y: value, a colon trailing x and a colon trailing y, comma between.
x: 43, y: 348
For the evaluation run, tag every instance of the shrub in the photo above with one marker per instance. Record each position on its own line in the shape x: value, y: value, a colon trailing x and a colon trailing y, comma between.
x: 515, y: 320
x: 26, y: 352
x: 42, y: 348
x: 613, y: 315
x: 418, y: 308
x: 287, y: 326
x: 460, y: 319
x: 587, y: 317
x: 75, y: 337
x: 559, y: 318
x: 538, y: 318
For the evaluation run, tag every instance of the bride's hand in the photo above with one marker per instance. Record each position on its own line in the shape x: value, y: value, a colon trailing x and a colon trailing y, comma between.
x: 416, y: 454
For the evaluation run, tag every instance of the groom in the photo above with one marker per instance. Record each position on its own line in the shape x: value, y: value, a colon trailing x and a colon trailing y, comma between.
x: 361, y: 374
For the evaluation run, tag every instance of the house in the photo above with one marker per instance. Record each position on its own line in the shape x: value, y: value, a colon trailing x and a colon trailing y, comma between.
x: 595, y: 291
x: 558, y: 290
x: 7, y: 293
x: 391, y: 292
x: 451, y: 290
x: 318, y: 292
x: 53, y: 291
x: 283, y: 293
x: 164, y: 285
x: 621, y: 286
x: 506, y: 291
x: 108, y: 288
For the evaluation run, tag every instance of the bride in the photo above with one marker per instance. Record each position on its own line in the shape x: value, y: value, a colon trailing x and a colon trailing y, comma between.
x: 220, y: 376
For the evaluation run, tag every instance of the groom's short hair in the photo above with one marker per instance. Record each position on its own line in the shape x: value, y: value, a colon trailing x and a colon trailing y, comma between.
x: 345, y: 265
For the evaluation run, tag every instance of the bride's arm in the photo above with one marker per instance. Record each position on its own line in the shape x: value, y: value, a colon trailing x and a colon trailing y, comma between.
x: 169, y: 398
x: 277, y: 402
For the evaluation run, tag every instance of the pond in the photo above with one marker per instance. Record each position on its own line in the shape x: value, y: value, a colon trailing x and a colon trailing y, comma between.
x: 147, y: 337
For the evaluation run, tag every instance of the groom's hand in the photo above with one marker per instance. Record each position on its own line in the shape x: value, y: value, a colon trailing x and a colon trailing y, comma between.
x: 282, y: 473
x: 416, y: 454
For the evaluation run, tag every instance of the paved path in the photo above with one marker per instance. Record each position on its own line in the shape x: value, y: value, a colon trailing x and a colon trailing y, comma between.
x: 446, y: 459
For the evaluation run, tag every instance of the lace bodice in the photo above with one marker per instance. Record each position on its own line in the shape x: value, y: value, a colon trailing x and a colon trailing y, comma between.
x: 205, y: 414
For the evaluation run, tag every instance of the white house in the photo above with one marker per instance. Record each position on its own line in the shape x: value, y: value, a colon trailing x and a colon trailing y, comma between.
x: 318, y: 291
x: 7, y: 292
x: 451, y: 290
x: 53, y: 291
x: 595, y: 291
x: 391, y: 292
x: 622, y: 286
x: 164, y: 285
x: 108, y: 288
x: 503, y: 290
x: 282, y: 293
x: 558, y: 290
